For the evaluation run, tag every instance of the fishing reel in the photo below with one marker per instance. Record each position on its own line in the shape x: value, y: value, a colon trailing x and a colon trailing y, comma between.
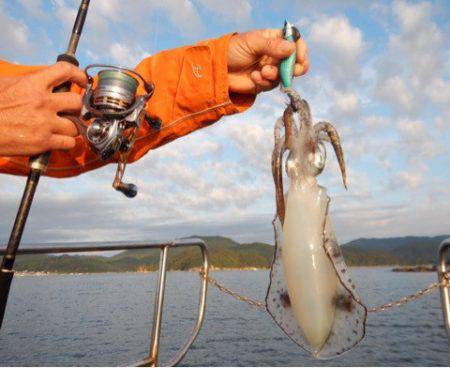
x: 115, y: 114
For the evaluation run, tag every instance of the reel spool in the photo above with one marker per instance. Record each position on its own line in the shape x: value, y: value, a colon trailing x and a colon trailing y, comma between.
x: 116, y: 114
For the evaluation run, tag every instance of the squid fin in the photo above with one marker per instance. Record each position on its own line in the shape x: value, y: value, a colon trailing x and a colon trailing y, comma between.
x: 350, y: 316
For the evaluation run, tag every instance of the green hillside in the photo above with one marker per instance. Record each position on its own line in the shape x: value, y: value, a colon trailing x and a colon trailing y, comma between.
x: 227, y: 253
x: 409, y: 250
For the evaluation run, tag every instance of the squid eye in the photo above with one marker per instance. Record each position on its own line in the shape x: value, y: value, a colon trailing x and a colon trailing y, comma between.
x: 318, y: 159
x: 292, y: 165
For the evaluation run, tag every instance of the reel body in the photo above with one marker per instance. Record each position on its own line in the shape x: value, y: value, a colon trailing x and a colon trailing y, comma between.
x: 115, y: 113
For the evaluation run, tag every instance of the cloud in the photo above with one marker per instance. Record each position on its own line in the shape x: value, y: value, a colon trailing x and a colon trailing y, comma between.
x: 14, y: 35
x: 233, y: 11
x: 394, y: 89
x: 341, y: 44
x: 407, y: 180
x: 125, y: 32
x: 124, y: 55
x: 416, y: 140
x: 177, y: 16
x: 411, y: 74
x: 34, y: 8
x: 367, y: 78
x: 375, y: 122
x: 345, y: 105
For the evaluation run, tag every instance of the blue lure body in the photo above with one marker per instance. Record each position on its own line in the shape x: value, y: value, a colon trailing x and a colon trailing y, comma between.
x: 290, y: 33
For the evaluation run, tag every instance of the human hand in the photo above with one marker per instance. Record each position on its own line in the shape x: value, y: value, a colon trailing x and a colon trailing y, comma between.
x: 254, y: 57
x: 29, y: 120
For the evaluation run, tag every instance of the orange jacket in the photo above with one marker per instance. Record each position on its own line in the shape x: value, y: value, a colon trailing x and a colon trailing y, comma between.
x: 191, y: 93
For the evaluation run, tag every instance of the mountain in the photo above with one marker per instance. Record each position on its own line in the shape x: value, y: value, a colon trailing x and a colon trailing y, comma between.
x: 227, y: 253
x: 409, y: 250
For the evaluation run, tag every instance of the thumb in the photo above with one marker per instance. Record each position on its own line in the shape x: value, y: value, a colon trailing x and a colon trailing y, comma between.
x: 273, y: 47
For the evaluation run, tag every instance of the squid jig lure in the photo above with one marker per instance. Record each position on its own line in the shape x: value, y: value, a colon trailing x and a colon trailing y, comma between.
x: 311, y: 295
x: 115, y: 112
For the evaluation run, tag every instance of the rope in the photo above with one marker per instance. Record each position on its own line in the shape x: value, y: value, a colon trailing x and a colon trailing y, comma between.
x: 380, y: 308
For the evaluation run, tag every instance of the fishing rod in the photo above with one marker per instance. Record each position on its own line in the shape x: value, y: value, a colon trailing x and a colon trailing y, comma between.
x: 38, y: 165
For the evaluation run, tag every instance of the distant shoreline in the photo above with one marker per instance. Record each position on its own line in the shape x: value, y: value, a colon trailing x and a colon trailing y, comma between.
x: 44, y: 273
x: 212, y: 269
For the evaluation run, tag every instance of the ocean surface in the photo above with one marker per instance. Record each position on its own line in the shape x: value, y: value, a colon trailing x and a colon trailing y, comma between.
x: 105, y: 319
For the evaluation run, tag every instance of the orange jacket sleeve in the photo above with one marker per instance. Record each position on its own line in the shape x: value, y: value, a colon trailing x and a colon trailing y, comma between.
x: 191, y: 93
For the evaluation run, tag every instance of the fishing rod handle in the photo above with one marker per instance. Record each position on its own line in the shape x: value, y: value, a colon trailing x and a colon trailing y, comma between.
x: 6, y: 277
x: 40, y: 162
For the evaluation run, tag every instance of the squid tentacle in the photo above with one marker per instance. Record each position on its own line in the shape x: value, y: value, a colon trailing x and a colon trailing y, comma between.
x: 290, y: 127
x: 305, y: 114
x: 330, y: 130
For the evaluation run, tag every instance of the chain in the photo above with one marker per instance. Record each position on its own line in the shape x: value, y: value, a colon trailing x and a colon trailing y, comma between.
x: 406, y: 299
x: 235, y: 295
x: 396, y: 303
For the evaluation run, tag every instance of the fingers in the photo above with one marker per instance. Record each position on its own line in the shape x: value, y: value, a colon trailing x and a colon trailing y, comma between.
x: 269, y: 72
x: 272, y: 32
x: 277, y: 48
x: 272, y: 45
x: 61, y: 142
x: 301, y: 69
x: 302, y: 61
x: 302, y: 49
x: 62, y: 72
x: 63, y: 126
x: 66, y: 102
x: 262, y: 84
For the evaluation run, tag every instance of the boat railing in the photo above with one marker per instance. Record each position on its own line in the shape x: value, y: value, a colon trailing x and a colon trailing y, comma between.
x: 443, y: 274
x: 152, y: 358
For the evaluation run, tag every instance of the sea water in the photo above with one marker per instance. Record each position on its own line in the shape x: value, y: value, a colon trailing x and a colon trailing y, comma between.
x: 105, y: 319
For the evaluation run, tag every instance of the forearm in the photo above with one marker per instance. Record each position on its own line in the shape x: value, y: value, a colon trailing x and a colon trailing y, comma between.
x: 191, y: 93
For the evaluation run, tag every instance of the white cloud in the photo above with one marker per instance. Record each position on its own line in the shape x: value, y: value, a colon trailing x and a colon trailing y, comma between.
x: 345, y: 105
x: 234, y: 11
x: 341, y: 43
x: 439, y: 91
x: 253, y: 141
x: 14, y: 35
x: 408, y: 180
x: 124, y: 55
x: 394, y: 89
x: 182, y: 15
x: 374, y: 122
x: 411, y: 74
x: 339, y: 35
x: 110, y: 9
x: 416, y: 141
x: 218, y: 180
x: 34, y: 8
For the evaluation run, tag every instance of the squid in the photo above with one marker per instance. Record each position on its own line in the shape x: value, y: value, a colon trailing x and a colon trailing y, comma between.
x: 311, y: 295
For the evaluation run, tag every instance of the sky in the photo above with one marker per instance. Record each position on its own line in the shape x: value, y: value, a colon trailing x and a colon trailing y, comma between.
x: 379, y: 71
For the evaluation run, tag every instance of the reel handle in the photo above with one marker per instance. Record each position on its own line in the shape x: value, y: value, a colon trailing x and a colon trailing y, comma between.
x: 128, y: 189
